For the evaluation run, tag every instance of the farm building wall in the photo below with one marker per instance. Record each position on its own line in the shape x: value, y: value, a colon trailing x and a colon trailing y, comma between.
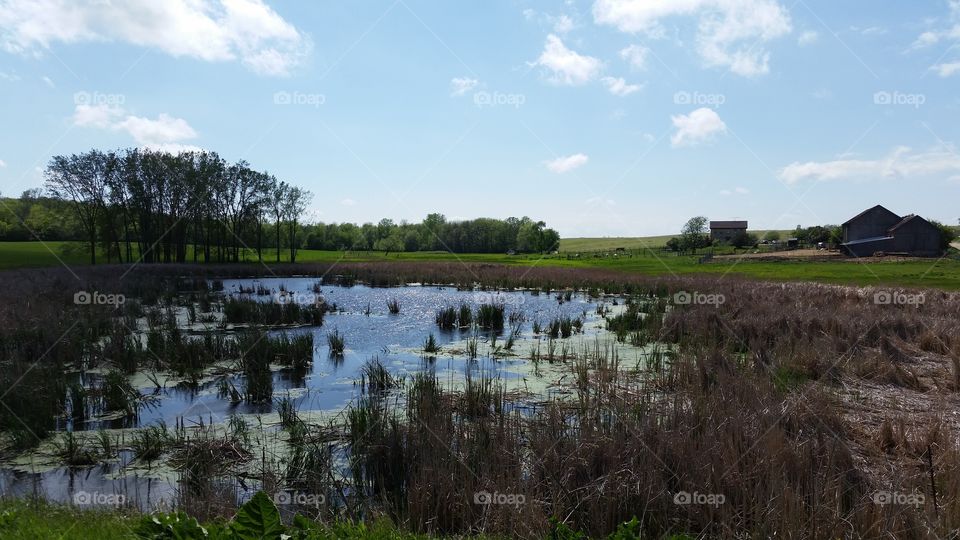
x: 873, y: 223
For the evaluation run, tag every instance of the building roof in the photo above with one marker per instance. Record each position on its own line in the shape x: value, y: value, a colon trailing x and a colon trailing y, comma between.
x: 728, y: 224
x: 908, y: 219
x: 866, y: 240
x: 868, y: 210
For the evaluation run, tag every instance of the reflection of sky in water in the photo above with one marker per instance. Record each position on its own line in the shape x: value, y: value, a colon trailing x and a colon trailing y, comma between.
x: 329, y: 384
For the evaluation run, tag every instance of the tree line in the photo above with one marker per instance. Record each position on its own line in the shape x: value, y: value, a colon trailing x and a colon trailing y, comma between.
x: 435, y: 233
x: 152, y: 206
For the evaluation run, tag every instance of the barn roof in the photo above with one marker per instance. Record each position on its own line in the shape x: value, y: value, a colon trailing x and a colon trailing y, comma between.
x: 869, y: 210
x: 728, y: 224
x: 911, y: 218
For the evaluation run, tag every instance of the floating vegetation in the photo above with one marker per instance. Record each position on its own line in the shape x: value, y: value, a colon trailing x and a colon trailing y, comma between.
x: 336, y: 343
x: 490, y: 316
x: 430, y: 345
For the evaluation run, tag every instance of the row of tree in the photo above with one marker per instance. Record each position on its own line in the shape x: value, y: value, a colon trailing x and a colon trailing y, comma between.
x: 435, y: 233
x: 139, y: 204
x: 152, y: 206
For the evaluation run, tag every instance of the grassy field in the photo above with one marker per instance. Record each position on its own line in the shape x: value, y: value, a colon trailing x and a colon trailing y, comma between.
x: 628, y: 242
x: 943, y: 273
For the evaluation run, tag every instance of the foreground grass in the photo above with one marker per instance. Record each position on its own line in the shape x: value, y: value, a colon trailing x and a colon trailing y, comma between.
x: 21, y: 519
x: 935, y: 273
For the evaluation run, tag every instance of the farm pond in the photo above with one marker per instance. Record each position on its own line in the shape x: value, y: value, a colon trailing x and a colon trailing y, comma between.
x: 350, y: 340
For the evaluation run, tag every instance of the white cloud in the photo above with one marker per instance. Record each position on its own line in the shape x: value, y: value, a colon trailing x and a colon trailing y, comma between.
x: 562, y: 24
x: 348, y: 202
x: 163, y: 133
x: 947, y: 69
x: 461, y: 85
x: 701, y: 125
x: 567, y: 67
x: 635, y: 55
x: 48, y: 81
x: 247, y: 31
x: 11, y: 77
x: 822, y: 93
x: 730, y: 33
x: 565, y: 164
x: 925, y: 39
x: 902, y: 162
x: 619, y: 87
x: 3, y: 164
x: 808, y: 38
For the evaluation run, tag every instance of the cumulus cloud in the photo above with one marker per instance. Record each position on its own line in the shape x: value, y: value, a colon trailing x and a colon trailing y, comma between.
x: 562, y: 24
x: 902, y: 162
x: 567, y: 67
x: 808, y: 38
x: 947, y: 69
x: 730, y: 33
x: 348, y: 202
x: 701, y: 125
x: 565, y: 164
x: 635, y: 55
x: 619, y: 87
x: 162, y: 133
x: 2, y: 164
x: 461, y: 85
x: 247, y: 31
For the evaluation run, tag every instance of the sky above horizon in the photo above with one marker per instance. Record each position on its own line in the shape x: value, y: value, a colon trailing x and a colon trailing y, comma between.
x: 600, y: 117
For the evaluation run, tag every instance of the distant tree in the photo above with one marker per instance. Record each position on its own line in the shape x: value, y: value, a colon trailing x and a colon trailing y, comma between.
x: 694, y: 234
x: 772, y: 236
x: 673, y: 244
x: 947, y: 234
x: 743, y: 239
x: 296, y: 204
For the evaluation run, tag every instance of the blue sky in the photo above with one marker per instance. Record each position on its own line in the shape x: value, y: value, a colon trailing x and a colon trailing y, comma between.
x: 602, y: 117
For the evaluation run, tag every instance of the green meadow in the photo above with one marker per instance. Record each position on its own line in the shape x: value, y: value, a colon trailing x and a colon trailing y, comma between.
x: 938, y: 273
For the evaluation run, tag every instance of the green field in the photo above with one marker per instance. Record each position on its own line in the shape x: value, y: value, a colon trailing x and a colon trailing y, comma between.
x: 631, y: 242
x: 943, y: 273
